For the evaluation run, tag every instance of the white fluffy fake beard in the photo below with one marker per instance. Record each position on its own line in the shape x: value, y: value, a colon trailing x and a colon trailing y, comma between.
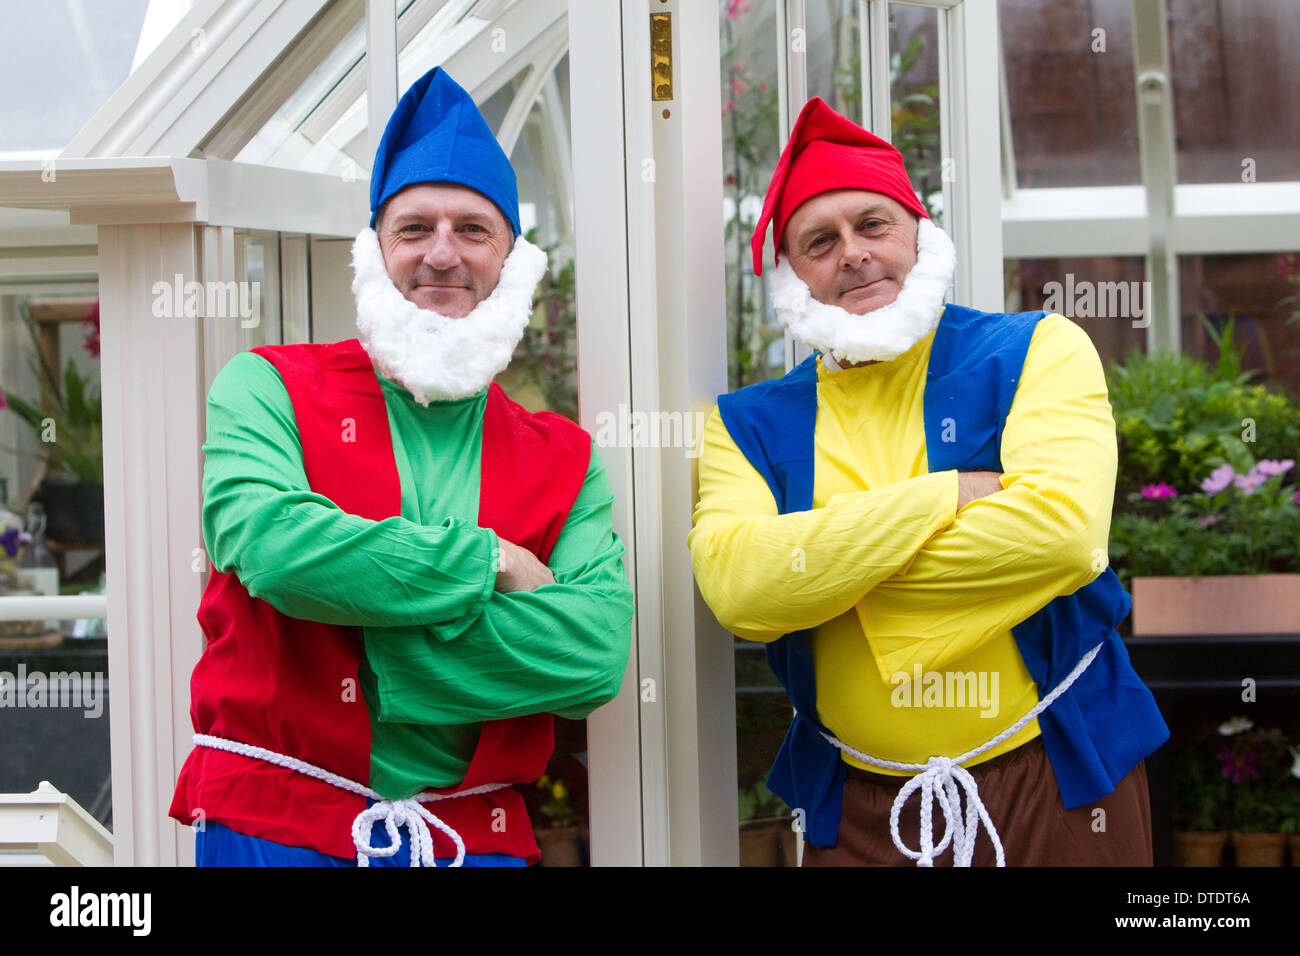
x: 435, y: 357
x: 883, y: 334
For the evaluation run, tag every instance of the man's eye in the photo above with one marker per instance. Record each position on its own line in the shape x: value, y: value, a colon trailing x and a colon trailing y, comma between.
x: 820, y: 241
x: 474, y: 227
x: 873, y: 223
x: 413, y: 227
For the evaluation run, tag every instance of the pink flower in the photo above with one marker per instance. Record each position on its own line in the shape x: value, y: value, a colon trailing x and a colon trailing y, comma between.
x: 1209, y: 520
x: 736, y: 7
x: 1248, y: 483
x: 1219, y: 479
x: 91, y: 325
x: 1296, y: 497
x: 762, y: 88
x: 728, y: 106
x: 1159, y: 492
x: 1270, y: 468
x: 4, y: 403
x: 739, y: 86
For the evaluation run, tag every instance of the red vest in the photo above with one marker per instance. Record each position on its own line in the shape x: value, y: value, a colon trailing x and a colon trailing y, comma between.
x: 281, y: 683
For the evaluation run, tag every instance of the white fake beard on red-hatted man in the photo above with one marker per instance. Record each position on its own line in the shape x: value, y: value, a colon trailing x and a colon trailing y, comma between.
x: 883, y: 334
x: 438, y: 358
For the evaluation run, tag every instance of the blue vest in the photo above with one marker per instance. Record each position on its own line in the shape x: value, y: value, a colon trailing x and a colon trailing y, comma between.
x: 1095, y: 732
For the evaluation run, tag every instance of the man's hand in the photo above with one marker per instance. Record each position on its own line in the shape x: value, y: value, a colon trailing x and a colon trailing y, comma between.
x: 519, y: 570
x: 975, y: 484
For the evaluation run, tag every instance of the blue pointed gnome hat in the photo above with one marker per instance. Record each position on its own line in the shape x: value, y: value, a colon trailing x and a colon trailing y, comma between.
x: 437, y: 135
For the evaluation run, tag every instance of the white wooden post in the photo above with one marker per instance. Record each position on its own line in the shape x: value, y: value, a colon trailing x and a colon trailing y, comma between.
x: 152, y: 386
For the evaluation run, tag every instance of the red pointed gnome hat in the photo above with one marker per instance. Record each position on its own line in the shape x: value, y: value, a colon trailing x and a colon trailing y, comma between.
x: 827, y: 151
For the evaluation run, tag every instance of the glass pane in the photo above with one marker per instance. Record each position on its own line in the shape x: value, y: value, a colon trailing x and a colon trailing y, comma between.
x: 53, y: 674
x: 1236, y: 100
x: 323, y: 125
x: 1260, y: 293
x: 914, y: 100
x: 311, y: 128
x: 67, y: 59
x: 750, y: 149
x: 1068, y: 67
x: 544, y: 371
x: 835, y: 56
x: 262, y: 266
x: 1071, y: 286
x: 755, y: 351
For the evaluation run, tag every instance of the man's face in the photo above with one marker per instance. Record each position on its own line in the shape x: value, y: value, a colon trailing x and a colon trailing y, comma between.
x: 852, y: 247
x: 443, y: 246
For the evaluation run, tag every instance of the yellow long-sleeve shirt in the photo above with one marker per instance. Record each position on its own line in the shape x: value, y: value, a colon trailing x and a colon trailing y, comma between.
x: 886, y: 571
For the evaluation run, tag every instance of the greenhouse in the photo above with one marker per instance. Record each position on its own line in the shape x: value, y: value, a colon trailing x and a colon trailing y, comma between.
x: 184, y: 183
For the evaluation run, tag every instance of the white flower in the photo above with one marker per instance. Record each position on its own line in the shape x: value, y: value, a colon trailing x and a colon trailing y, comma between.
x: 1235, y: 725
x: 1295, y: 762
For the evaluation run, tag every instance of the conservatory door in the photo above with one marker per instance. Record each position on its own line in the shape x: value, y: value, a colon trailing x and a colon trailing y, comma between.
x: 236, y: 153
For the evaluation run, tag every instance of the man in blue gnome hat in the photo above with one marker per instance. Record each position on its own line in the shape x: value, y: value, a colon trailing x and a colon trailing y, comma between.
x: 411, y: 573
x: 915, y: 521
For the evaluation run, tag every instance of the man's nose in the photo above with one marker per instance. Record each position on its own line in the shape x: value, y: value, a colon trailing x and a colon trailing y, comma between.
x: 441, y: 254
x: 855, y: 251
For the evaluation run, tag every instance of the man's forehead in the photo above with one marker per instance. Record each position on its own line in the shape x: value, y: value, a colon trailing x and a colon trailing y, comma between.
x: 821, y: 209
x: 433, y: 200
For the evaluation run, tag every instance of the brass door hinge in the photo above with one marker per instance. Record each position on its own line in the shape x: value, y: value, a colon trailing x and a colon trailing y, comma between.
x: 661, y: 55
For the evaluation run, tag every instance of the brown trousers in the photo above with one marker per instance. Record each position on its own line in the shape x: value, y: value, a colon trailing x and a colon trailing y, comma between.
x: 1020, y: 792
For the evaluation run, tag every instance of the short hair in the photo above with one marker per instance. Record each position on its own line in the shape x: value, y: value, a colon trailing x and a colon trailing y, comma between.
x: 383, y: 208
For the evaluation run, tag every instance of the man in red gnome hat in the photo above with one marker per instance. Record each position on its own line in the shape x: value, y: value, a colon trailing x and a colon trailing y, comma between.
x: 914, y: 520
x: 411, y: 573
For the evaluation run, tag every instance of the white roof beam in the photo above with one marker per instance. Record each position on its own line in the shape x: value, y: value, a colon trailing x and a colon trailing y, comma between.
x: 196, y: 76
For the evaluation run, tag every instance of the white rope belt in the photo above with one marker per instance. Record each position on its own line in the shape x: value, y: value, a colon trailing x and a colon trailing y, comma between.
x: 937, y: 779
x: 394, y: 813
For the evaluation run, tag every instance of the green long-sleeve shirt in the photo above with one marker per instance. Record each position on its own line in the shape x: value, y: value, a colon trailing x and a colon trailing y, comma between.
x: 444, y: 650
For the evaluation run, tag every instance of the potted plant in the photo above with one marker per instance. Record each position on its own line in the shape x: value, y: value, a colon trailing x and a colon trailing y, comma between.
x: 561, y: 840
x: 1220, y: 559
x: 1257, y: 762
x: 1206, y: 525
x: 68, y: 426
x: 1200, y: 805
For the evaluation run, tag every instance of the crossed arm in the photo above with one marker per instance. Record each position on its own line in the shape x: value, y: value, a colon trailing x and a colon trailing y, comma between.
x: 431, y: 599
x: 929, y: 581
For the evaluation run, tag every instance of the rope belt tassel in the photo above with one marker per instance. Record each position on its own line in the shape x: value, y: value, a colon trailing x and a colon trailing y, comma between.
x: 939, y: 778
x: 395, y: 814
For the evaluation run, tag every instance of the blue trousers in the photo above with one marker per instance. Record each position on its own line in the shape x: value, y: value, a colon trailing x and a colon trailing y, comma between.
x: 217, y: 845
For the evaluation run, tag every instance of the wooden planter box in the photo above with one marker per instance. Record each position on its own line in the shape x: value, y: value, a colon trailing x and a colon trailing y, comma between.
x: 1228, y: 604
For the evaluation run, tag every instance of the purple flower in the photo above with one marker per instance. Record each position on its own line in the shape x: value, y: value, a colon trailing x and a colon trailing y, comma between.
x: 1219, y: 479
x: 1248, y: 483
x: 1159, y: 492
x: 10, y: 541
x: 1238, y: 767
x: 1209, y: 520
x: 1296, y: 496
x: 1270, y: 468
